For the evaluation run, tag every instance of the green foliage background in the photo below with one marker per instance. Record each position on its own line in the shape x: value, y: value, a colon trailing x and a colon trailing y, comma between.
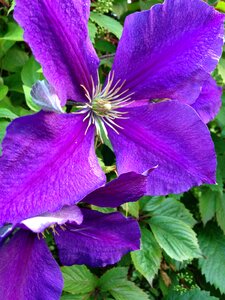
x: 183, y: 236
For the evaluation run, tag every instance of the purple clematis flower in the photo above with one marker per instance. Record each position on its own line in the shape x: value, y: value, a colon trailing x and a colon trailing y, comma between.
x: 82, y: 236
x: 152, y: 105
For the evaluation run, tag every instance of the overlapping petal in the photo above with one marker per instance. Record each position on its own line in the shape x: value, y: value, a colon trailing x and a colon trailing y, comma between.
x: 28, y: 270
x: 47, y: 162
x: 127, y: 187
x: 168, y: 51
x: 100, y: 240
x: 170, y: 135
x: 68, y: 214
x: 209, y: 101
x: 57, y: 33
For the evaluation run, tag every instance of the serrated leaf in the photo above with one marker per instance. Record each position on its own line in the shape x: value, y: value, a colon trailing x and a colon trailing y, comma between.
x: 3, y: 91
x: 14, y: 33
x: 175, y: 237
x: 147, y: 260
x: 108, y: 23
x: 78, y: 279
x: 195, y: 294
x: 161, y: 206
x: 112, y: 277
x: 212, y: 265
x: 207, y: 204
x: 128, y: 290
x: 7, y: 114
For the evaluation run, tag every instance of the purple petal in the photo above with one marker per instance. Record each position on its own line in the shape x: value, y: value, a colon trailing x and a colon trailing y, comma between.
x: 170, y: 135
x: 127, y: 187
x: 48, y: 162
x: 100, y: 240
x: 28, y: 270
x: 57, y: 33
x: 166, y: 52
x: 209, y: 101
x: 68, y: 214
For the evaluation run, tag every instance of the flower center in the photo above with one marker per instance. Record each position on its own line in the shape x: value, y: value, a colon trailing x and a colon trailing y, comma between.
x: 101, y: 107
x: 105, y: 104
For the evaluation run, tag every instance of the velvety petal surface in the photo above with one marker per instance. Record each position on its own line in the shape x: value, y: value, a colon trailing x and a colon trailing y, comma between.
x: 100, y: 240
x: 168, y: 134
x: 66, y: 214
x: 209, y: 101
x: 127, y: 187
x: 168, y: 51
x: 28, y: 270
x: 57, y: 33
x: 47, y: 162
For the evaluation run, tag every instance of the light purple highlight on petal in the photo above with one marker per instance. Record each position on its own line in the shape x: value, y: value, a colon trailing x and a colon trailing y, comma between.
x: 28, y: 270
x: 57, y: 33
x: 68, y: 214
x: 5, y: 232
x: 100, y: 240
x: 209, y: 101
x: 47, y: 162
x: 168, y: 51
x: 172, y: 136
x: 127, y: 187
x: 44, y: 96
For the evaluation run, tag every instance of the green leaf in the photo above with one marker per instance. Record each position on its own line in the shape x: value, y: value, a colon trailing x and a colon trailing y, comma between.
x: 30, y: 72
x: 207, y: 204
x: 147, y: 260
x: 14, y: 33
x: 220, y: 211
x: 120, y: 7
x: 75, y: 297
x: 7, y: 114
x: 175, y: 237
x: 212, y: 243
x: 78, y: 279
x: 146, y: 4
x: 14, y: 59
x: 195, y: 294
x: 92, y: 31
x: 221, y: 6
x: 112, y: 277
x: 5, y: 46
x: 29, y: 101
x: 221, y: 68
x: 161, y: 206
x: 3, y: 91
x: 131, y: 208
x: 3, y: 125
x: 127, y: 290
x: 108, y: 23
x: 12, y: 6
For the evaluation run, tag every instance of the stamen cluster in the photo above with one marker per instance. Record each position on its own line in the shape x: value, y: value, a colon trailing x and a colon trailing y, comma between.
x: 104, y: 104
